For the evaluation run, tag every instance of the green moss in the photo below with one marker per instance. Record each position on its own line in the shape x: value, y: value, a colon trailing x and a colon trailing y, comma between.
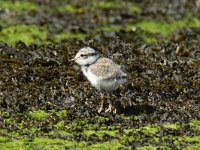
x: 25, y: 33
x: 101, y: 119
x: 18, y: 5
x: 38, y: 114
x: 3, y: 113
x: 57, y: 144
x: 149, y: 40
x: 149, y: 129
x: 45, y: 143
x: 167, y: 28
x: 106, y: 5
x: 171, y: 126
x: 127, y: 131
x: 9, y: 120
x: 124, y: 117
x: 108, y: 28
x: 193, y: 139
x: 61, y: 113
x: 3, y: 131
x: 193, y: 147
x: 112, y: 145
x: 14, y: 134
x: 3, y: 139
x: 195, y: 124
x: 60, y: 124
x: 65, y: 36
x: 41, y: 143
x: 100, y: 133
x: 135, y: 134
x: 152, y: 148
x: 61, y: 132
x: 79, y: 124
x: 67, y: 8
x: 21, y: 144
x: 133, y: 8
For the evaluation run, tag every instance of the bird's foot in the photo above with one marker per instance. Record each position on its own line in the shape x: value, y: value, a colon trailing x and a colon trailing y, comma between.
x: 111, y: 109
x: 100, y: 110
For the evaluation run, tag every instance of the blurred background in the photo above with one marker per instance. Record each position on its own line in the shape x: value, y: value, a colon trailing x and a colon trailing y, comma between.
x: 43, y: 21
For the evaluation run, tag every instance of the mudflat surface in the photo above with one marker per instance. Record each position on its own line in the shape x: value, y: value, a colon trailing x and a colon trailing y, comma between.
x: 47, y: 103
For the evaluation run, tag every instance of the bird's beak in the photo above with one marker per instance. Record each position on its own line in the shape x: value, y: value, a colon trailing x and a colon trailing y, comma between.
x: 72, y: 59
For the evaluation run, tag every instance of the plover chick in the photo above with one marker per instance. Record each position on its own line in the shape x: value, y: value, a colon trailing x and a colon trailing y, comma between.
x: 102, y: 72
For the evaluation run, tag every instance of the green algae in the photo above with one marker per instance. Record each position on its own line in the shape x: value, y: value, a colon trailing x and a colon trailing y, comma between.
x: 21, y: 32
x: 153, y: 147
x: 118, y: 141
x: 67, y: 8
x: 18, y: 5
x: 192, y: 139
x: 124, y: 117
x: 171, y: 126
x: 9, y: 120
x: 133, y: 8
x: 41, y: 143
x: 62, y: 132
x: 68, y: 35
x: 21, y: 144
x: 57, y: 144
x: 3, y: 139
x: 101, y: 119
x: 149, y: 129
x: 60, y: 113
x: 168, y: 28
x: 191, y: 148
x: 108, y: 28
x: 112, y: 145
x: 38, y: 114
x: 60, y: 125
x: 195, y: 124
x: 101, y: 133
x: 154, y: 27
x: 106, y: 5
x: 46, y: 143
x: 149, y: 39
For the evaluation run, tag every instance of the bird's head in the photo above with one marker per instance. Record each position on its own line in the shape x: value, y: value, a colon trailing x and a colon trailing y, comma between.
x: 86, y: 56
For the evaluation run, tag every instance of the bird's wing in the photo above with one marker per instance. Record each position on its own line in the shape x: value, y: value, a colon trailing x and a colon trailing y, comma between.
x: 105, y: 68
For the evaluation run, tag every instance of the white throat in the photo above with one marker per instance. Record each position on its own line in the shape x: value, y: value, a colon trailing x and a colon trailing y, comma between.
x: 90, y: 76
x: 90, y: 60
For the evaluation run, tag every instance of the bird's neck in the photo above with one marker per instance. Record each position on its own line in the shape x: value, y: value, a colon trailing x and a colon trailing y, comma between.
x: 89, y: 63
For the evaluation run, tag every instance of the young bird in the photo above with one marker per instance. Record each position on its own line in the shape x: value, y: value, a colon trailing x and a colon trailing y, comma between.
x: 102, y: 72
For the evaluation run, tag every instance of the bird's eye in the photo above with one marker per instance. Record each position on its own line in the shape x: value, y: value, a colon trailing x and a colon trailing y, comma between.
x: 84, y: 56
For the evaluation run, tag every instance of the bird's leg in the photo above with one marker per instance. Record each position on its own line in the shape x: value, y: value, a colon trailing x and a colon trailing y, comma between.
x: 111, y: 108
x: 102, y: 104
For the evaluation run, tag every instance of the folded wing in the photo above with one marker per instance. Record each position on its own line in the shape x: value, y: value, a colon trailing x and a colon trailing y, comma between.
x: 106, y: 68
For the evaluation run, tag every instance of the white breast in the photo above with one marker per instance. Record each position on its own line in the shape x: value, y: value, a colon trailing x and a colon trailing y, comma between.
x: 101, y: 83
x: 91, y: 77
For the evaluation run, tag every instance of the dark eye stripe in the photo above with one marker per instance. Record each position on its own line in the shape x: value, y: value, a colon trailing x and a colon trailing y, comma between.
x: 82, y: 55
x: 86, y: 55
x: 92, y: 54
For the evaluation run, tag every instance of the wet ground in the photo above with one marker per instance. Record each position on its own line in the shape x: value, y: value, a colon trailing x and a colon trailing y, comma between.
x: 47, y: 103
